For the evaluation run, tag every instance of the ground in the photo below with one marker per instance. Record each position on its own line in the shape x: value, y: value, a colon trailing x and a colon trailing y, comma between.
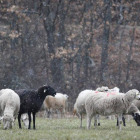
x: 68, y: 129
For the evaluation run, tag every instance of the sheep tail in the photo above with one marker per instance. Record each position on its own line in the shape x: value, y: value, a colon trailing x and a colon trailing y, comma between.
x: 74, y: 112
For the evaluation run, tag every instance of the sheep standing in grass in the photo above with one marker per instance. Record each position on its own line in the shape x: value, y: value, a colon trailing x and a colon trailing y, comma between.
x: 79, y: 106
x: 109, y: 103
x: 31, y: 102
x: 64, y: 98
x: 9, y: 106
x: 56, y: 103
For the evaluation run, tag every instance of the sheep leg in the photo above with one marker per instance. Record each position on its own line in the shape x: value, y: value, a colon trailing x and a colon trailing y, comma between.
x: 123, y: 119
x: 80, y: 120
x: 95, y: 121
x: 19, y: 116
x: 59, y: 113
x: 98, y: 120
x: 33, y: 120
x: 89, y: 122
x: 63, y: 113
x: 49, y: 113
x: 44, y: 113
x: 29, y: 115
x: 119, y: 121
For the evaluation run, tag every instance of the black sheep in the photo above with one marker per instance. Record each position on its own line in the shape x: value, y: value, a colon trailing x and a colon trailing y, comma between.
x: 31, y: 101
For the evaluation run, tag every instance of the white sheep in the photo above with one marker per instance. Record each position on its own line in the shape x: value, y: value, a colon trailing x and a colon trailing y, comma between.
x: 25, y: 119
x: 56, y: 103
x: 137, y: 103
x: 9, y: 106
x: 79, y: 106
x: 102, y: 89
x: 60, y: 95
x: 109, y: 103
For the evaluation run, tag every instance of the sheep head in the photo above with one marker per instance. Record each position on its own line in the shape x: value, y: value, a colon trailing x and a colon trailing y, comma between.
x: 138, y: 95
x: 25, y: 120
x: 46, y: 90
x: 136, y: 117
x: 7, y: 121
x: 66, y: 96
x: 133, y: 94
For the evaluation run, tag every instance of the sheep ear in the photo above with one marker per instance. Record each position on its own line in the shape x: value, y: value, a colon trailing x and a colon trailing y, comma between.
x: 137, y: 93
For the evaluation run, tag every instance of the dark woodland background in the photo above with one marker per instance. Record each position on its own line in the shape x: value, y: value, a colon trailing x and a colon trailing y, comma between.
x: 71, y: 45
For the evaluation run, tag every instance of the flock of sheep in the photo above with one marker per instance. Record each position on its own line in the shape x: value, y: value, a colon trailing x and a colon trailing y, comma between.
x: 93, y: 103
x: 104, y: 101
x: 15, y: 103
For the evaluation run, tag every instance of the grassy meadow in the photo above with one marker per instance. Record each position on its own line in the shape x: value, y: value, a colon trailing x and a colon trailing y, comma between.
x: 68, y: 129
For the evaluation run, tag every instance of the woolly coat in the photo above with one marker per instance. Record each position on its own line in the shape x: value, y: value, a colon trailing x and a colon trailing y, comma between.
x: 57, y: 102
x: 137, y: 103
x: 9, y: 105
x: 79, y: 105
x: 109, y: 103
x: 32, y: 100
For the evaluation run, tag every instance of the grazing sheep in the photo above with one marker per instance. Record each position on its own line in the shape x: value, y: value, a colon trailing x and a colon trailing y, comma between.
x: 134, y: 111
x: 109, y: 103
x: 9, y: 107
x: 31, y: 102
x: 58, y: 102
x: 25, y: 119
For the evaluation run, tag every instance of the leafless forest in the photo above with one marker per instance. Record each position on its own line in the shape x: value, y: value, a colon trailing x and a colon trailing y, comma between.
x: 71, y: 45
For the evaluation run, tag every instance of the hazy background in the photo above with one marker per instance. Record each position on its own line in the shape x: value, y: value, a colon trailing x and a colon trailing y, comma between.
x: 71, y: 45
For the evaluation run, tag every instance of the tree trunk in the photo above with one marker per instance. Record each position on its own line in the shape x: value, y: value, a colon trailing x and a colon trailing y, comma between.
x: 104, y: 55
x: 129, y: 57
